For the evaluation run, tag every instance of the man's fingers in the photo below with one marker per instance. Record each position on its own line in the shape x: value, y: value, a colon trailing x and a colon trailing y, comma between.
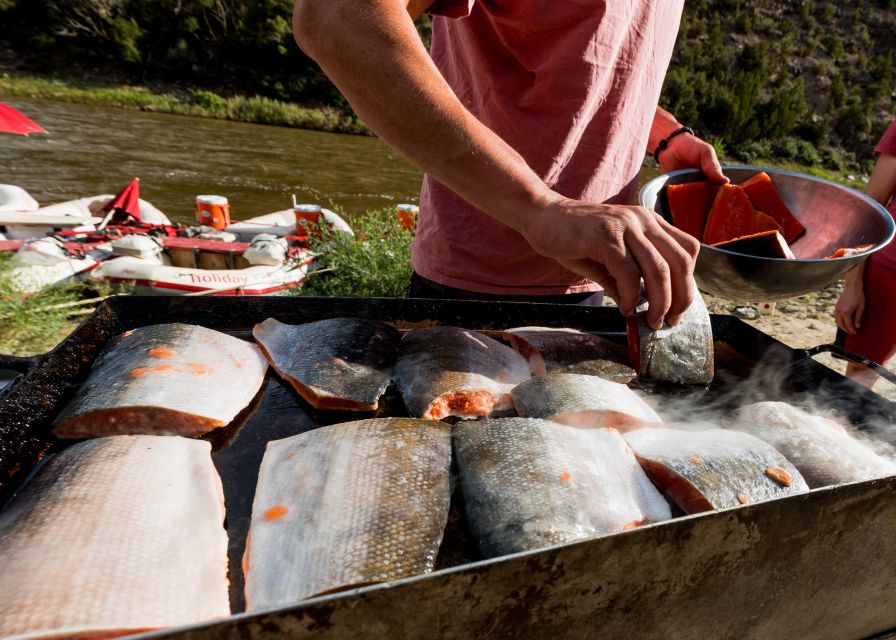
x: 857, y: 318
x: 596, y: 272
x: 711, y: 167
x: 679, y: 254
x: 657, y: 278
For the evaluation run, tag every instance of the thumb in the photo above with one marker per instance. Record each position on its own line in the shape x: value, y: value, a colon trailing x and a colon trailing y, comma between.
x: 709, y: 164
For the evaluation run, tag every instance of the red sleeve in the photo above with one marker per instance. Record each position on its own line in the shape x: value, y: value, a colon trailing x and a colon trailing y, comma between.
x: 887, y: 143
x: 451, y: 8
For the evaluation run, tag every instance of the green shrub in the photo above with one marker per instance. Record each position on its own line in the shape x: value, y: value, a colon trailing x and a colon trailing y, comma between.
x: 36, y: 323
x: 375, y: 262
x: 210, y: 101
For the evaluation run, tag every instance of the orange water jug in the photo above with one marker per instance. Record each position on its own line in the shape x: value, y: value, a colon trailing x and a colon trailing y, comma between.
x: 307, y: 217
x: 213, y: 211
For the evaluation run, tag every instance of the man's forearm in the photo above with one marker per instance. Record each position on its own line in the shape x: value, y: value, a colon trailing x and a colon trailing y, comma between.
x: 663, y: 124
x: 388, y: 77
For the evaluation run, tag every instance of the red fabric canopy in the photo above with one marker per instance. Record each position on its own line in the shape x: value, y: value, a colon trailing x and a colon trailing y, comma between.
x: 12, y: 121
x: 127, y: 200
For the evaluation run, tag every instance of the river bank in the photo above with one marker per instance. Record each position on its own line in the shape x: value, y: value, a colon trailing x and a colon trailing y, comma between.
x: 181, y: 101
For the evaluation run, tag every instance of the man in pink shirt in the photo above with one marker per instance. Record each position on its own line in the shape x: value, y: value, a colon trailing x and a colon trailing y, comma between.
x: 530, y: 119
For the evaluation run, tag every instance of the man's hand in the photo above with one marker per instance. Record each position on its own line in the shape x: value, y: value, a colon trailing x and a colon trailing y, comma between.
x: 851, y: 305
x: 687, y: 152
x: 617, y: 245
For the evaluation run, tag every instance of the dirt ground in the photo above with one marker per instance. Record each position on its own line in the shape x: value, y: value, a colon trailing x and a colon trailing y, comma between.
x: 799, y: 323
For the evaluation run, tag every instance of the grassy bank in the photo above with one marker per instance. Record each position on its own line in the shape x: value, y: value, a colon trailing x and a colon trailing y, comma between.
x: 34, y: 324
x: 206, y: 104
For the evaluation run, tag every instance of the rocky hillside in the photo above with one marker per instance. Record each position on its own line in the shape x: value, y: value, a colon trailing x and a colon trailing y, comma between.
x: 799, y: 79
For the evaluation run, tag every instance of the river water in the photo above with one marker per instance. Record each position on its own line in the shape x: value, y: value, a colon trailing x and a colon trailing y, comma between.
x: 92, y: 150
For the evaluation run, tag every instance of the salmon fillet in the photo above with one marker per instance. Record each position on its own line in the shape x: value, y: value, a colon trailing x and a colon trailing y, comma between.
x: 714, y: 468
x: 114, y: 536
x: 338, y: 363
x: 582, y: 400
x: 448, y: 371
x: 531, y: 483
x: 164, y: 379
x: 824, y: 451
x: 346, y: 505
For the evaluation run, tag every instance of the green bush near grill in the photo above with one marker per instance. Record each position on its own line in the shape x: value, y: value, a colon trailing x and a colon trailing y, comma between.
x: 36, y: 323
x: 375, y: 262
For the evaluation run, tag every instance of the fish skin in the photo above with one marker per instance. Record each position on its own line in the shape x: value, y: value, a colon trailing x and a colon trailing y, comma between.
x: 582, y: 400
x: 337, y: 363
x: 164, y: 379
x: 440, y: 368
x: 366, y: 501
x: 823, y: 450
x: 550, y: 349
x: 713, y: 468
x: 682, y: 354
x: 113, y: 536
x: 606, y: 369
x: 531, y: 483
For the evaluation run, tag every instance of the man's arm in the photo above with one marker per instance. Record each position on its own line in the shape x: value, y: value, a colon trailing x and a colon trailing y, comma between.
x: 372, y: 53
x: 684, y: 151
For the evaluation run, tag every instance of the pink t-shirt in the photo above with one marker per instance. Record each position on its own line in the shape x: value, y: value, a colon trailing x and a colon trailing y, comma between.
x: 887, y: 145
x: 573, y: 86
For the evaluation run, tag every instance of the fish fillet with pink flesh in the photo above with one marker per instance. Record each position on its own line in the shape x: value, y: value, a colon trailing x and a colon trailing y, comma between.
x: 824, y: 451
x: 531, y: 483
x: 164, y: 379
x: 548, y: 349
x: 337, y: 363
x: 448, y: 371
x: 714, y: 468
x: 114, y: 536
x: 682, y: 354
x: 346, y: 505
x: 583, y: 401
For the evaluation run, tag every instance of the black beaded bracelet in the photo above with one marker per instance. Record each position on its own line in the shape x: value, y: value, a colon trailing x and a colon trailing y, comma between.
x: 665, y: 141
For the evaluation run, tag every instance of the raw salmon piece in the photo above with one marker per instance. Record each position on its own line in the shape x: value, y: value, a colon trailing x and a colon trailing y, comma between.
x: 447, y: 371
x: 823, y: 450
x: 165, y: 379
x: 338, y: 363
x: 682, y: 354
x: 346, y: 505
x: 714, y: 468
x: 532, y: 483
x: 114, y: 536
x: 582, y: 401
x: 549, y: 349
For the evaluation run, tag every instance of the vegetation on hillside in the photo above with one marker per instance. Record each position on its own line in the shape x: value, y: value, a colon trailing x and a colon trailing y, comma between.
x: 787, y: 80
x: 809, y: 81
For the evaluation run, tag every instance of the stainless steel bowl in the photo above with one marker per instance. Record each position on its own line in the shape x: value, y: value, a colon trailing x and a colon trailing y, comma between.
x: 834, y: 216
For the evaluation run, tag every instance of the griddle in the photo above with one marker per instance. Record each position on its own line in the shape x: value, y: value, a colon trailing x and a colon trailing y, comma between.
x: 822, y: 564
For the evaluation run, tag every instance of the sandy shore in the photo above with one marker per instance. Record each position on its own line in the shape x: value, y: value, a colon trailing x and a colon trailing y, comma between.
x: 799, y: 323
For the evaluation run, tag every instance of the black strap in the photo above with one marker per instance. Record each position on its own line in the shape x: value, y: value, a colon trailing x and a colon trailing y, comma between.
x: 665, y: 141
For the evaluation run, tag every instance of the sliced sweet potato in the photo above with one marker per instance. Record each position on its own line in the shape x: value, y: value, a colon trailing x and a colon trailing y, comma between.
x: 766, y: 244
x: 765, y: 197
x: 689, y: 205
x: 731, y: 215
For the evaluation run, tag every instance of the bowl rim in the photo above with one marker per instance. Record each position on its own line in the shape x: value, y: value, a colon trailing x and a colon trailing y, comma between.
x: 659, y: 182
